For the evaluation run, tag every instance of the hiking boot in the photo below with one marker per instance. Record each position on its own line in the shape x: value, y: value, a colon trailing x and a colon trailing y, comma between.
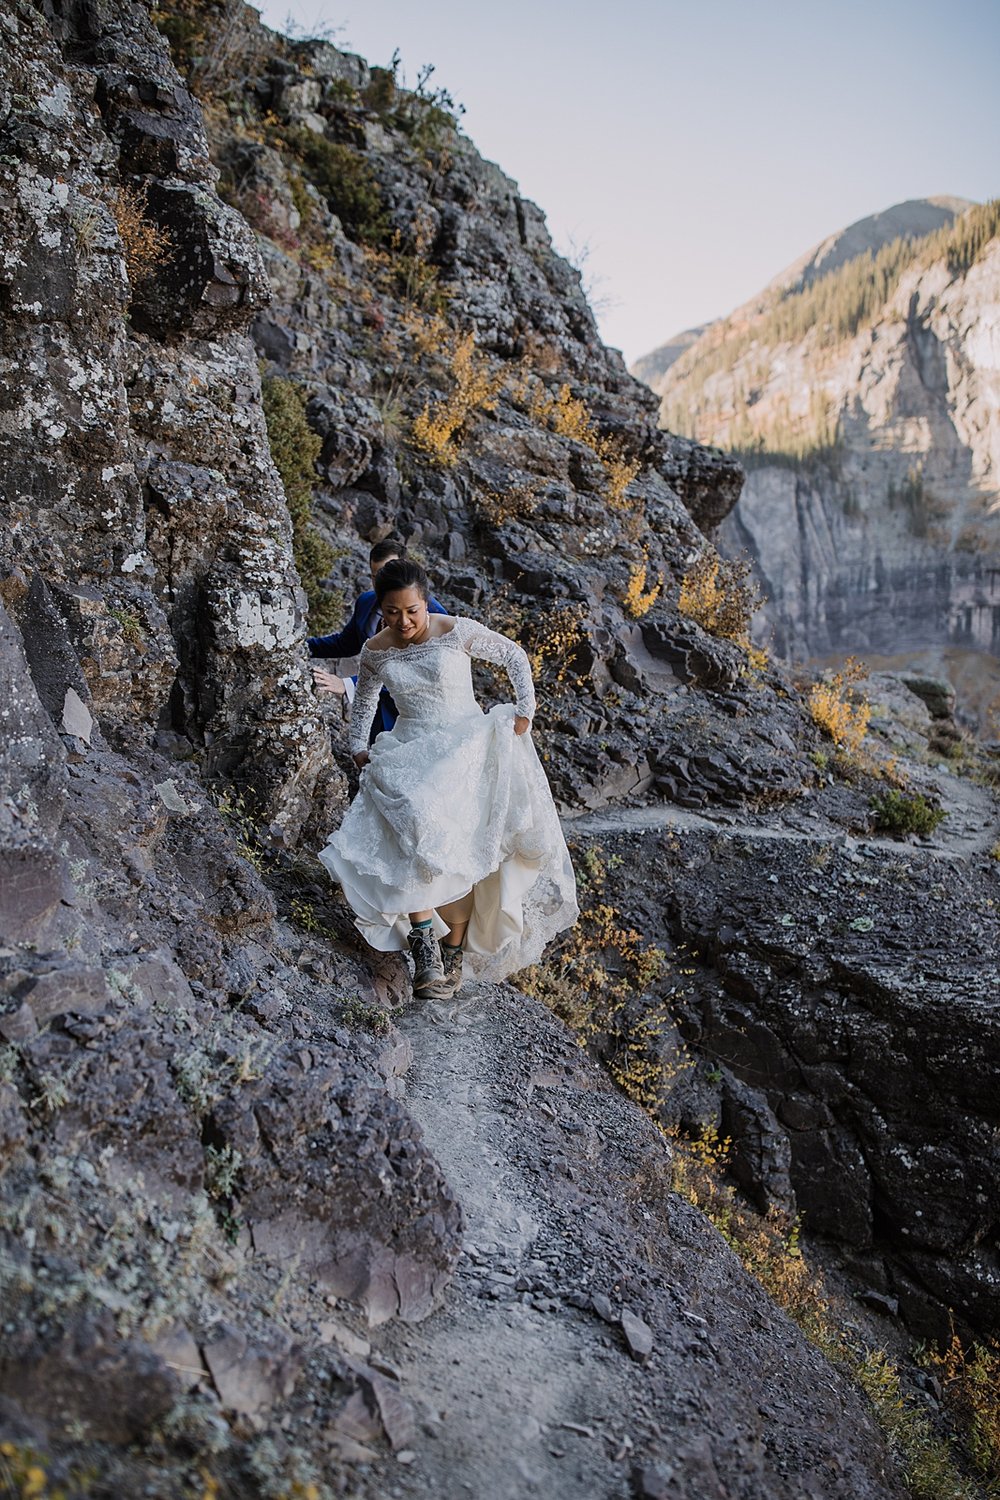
x: 452, y: 959
x: 428, y: 969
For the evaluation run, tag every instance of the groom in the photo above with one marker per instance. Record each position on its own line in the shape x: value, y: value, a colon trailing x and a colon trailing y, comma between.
x: 365, y: 621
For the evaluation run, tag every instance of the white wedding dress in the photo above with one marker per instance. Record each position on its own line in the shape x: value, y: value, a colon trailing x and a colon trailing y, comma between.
x: 452, y: 800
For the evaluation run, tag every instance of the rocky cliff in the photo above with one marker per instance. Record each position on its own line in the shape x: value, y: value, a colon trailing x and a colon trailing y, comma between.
x: 860, y: 389
x: 232, y: 1261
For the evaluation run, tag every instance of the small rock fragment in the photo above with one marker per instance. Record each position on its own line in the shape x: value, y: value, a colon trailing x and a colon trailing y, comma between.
x: 330, y: 1331
x: 638, y: 1335
x: 77, y: 719
x: 19, y: 1025
x: 171, y: 797
x: 353, y: 1429
x: 603, y: 1308
x: 395, y: 1413
x: 652, y: 1482
x: 879, y: 1301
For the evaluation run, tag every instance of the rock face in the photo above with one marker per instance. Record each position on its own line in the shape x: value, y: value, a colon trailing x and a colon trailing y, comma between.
x: 133, y: 422
x: 153, y: 1012
x: 873, y: 451
x: 854, y: 1049
x: 387, y: 240
x: 827, y: 1002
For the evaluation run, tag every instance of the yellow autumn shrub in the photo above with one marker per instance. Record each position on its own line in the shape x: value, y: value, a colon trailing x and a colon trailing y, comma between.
x: 637, y: 599
x: 475, y: 387
x: 836, y: 708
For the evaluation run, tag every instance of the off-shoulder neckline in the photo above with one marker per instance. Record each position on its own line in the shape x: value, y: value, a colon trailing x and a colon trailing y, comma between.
x: 414, y: 646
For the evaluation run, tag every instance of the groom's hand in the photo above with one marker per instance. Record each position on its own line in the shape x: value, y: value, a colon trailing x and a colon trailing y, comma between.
x: 328, y: 682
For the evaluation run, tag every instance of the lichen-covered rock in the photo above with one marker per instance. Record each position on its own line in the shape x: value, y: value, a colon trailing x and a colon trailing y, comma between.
x: 95, y: 403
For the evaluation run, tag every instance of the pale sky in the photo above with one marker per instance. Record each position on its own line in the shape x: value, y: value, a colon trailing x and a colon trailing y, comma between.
x: 688, y: 152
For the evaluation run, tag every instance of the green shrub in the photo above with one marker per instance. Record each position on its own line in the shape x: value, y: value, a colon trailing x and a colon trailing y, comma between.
x: 895, y: 812
x: 346, y: 181
x: 362, y: 1016
x: 295, y: 449
x: 380, y: 95
x: 426, y: 115
x: 184, y: 30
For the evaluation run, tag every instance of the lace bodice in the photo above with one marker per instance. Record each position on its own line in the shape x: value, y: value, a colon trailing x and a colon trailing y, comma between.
x: 433, y: 680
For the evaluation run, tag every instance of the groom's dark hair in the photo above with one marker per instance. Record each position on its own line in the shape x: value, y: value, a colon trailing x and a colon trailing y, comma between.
x: 388, y: 548
x: 401, y: 573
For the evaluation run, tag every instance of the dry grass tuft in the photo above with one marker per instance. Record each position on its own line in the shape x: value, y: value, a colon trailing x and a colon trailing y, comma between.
x: 516, y: 503
x: 145, y: 245
x: 568, y: 416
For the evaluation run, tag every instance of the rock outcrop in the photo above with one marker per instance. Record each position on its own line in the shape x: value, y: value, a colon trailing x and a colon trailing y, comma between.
x: 133, y: 422
x: 164, y: 1037
x: 851, y: 1049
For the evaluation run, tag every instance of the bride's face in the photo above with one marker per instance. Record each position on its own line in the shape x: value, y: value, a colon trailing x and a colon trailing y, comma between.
x: 405, y: 612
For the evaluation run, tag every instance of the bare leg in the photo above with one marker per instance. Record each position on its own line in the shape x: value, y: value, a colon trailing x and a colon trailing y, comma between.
x: 456, y: 914
x: 420, y: 916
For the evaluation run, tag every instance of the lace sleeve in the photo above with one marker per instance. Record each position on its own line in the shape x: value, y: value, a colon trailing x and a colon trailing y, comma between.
x: 491, y: 646
x: 365, y: 702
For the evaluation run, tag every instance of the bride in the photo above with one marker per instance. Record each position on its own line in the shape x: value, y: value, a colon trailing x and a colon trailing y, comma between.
x: 452, y: 846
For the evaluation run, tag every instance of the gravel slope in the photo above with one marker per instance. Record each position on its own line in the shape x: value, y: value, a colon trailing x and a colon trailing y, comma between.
x: 518, y: 1385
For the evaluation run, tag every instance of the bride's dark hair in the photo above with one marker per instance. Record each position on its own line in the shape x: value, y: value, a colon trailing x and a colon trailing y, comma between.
x: 401, y: 573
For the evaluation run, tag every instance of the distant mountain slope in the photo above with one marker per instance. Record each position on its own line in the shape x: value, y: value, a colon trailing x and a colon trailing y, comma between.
x: 913, y: 219
x: 651, y: 366
x: 862, y: 392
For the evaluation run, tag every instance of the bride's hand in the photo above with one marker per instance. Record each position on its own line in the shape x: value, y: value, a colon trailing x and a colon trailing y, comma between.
x: 361, y: 759
x: 521, y: 725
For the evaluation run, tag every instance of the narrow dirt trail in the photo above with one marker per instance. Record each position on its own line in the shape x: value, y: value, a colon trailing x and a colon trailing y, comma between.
x: 519, y: 1402
x: 523, y: 1383
x: 970, y: 828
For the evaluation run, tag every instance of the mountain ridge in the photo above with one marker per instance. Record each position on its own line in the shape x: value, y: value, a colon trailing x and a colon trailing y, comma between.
x: 863, y: 405
x: 913, y: 218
